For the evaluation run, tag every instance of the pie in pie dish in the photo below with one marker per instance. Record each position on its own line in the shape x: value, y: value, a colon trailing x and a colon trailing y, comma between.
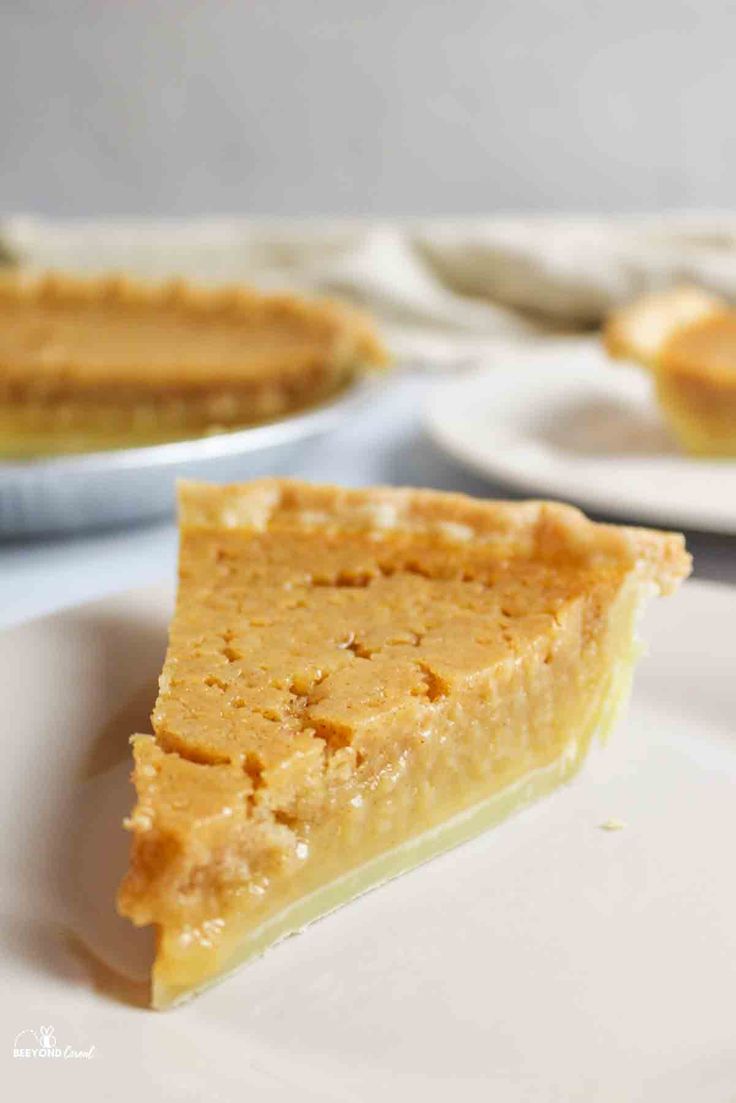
x: 357, y: 680
x: 687, y: 339
x: 108, y: 362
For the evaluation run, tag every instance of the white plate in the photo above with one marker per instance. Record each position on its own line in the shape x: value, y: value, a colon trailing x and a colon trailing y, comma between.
x: 563, y: 421
x: 546, y: 962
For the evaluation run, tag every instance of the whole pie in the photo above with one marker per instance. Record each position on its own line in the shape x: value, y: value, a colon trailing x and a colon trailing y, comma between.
x: 355, y: 681
x: 108, y: 362
x: 687, y: 339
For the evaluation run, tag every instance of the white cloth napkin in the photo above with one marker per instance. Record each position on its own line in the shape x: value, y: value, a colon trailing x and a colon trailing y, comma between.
x: 438, y: 286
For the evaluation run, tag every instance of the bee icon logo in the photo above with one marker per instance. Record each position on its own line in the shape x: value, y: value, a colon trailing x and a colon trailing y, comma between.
x: 46, y: 1037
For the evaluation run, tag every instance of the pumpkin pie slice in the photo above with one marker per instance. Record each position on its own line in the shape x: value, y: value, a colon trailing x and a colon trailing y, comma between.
x: 357, y: 680
x: 687, y: 339
x: 109, y: 362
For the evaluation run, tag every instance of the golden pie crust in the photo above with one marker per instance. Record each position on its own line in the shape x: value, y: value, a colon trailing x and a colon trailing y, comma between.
x: 110, y: 362
x: 355, y: 681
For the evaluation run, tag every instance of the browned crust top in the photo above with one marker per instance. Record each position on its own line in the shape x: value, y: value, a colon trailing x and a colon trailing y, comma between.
x: 640, y: 330
x: 532, y: 529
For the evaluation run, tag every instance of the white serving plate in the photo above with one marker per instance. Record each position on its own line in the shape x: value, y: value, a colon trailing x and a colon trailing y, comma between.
x: 548, y: 961
x: 121, y: 486
x: 562, y: 421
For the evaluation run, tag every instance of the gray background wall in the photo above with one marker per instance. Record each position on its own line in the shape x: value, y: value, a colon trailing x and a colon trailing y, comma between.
x: 366, y: 106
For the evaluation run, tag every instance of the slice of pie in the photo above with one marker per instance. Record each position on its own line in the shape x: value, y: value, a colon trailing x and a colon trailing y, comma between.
x: 687, y: 339
x: 107, y: 362
x: 357, y: 680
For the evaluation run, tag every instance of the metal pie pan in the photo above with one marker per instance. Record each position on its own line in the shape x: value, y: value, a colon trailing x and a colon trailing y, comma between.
x: 123, y: 486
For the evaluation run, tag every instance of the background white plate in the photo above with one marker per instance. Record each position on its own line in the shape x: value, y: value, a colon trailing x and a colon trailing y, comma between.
x: 562, y: 421
x: 546, y: 962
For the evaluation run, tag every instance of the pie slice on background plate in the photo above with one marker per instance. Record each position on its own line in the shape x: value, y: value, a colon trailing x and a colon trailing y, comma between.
x: 357, y: 680
x: 687, y: 338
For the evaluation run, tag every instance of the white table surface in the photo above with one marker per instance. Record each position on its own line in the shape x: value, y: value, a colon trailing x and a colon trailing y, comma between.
x: 385, y: 444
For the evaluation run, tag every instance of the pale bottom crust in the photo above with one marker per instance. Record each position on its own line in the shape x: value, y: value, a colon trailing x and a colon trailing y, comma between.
x: 240, y: 946
x: 702, y: 416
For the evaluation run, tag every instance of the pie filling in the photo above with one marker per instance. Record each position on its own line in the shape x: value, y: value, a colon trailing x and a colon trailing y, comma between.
x: 190, y: 959
x: 355, y: 681
x: 700, y: 413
